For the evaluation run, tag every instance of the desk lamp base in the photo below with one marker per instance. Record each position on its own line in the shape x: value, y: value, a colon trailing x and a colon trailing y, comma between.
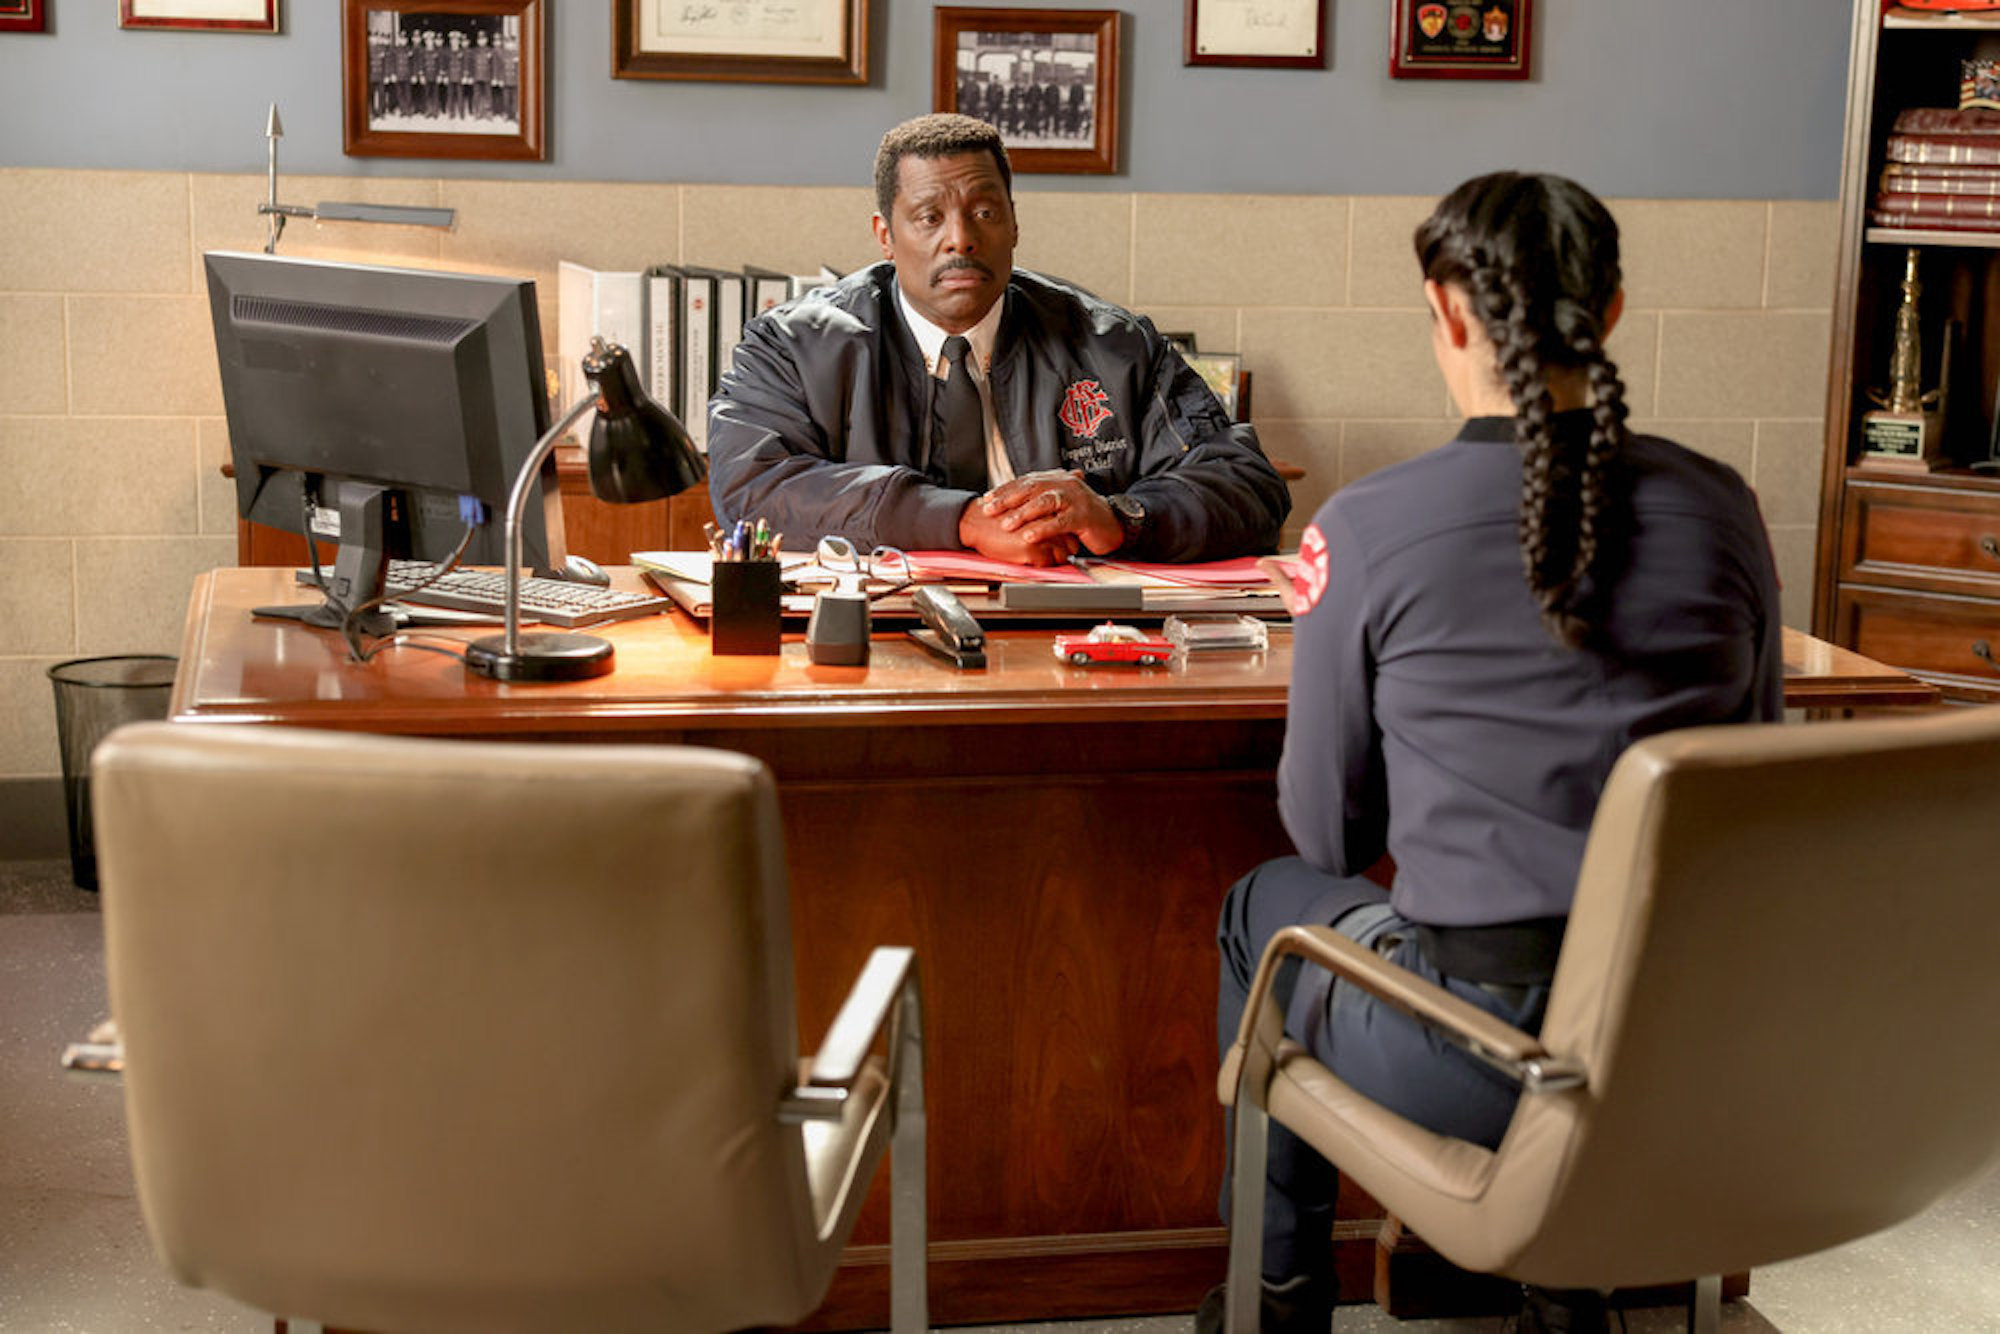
x: 540, y: 657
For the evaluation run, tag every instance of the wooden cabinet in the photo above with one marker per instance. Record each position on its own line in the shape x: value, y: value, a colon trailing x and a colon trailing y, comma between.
x: 1908, y: 567
x: 607, y: 534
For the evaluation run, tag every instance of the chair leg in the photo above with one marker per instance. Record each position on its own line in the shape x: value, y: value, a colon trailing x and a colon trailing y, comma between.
x: 1705, y: 1306
x: 1246, y: 1215
x: 909, y: 1283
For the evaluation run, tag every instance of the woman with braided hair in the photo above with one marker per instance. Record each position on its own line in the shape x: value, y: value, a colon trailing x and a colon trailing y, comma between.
x: 1478, y: 633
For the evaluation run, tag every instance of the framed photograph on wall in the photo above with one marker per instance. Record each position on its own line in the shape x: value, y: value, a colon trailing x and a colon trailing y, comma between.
x: 219, y: 15
x: 442, y: 79
x: 1283, y: 34
x: 800, y: 41
x: 24, y: 16
x: 1047, y: 78
x: 1453, y: 39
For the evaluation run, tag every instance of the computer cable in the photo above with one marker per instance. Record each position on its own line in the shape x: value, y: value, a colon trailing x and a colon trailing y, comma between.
x: 350, y: 625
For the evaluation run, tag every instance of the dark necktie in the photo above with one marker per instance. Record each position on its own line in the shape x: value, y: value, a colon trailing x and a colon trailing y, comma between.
x: 962, y: 440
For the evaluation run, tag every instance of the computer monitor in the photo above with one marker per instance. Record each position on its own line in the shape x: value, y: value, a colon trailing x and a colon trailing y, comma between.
x: 382, y: 410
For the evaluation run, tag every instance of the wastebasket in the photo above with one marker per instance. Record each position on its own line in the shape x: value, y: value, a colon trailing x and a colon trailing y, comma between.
x: 94, y: 696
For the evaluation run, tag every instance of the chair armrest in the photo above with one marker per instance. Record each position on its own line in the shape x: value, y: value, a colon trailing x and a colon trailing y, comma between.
x: 872, y: 1004
x: 102, y: 1053
x: 1492, y: 1040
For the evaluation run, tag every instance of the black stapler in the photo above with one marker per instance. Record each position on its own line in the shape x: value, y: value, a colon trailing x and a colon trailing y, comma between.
x: 949, y: 630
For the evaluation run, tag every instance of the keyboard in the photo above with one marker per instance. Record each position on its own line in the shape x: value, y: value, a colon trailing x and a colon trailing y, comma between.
x: 551, y: 601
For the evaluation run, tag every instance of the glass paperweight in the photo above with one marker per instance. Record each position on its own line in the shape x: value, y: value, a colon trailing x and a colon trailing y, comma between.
x: 1204, y: 632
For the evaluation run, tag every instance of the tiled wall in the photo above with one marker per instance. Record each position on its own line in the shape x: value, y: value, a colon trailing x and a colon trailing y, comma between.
x: 110, y: 414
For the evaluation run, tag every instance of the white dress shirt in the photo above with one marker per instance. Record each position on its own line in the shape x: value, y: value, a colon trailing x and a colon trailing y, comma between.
x: 930, y: 340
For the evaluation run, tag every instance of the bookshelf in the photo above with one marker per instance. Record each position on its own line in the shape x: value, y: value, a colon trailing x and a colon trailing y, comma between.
x: 1908, y: 560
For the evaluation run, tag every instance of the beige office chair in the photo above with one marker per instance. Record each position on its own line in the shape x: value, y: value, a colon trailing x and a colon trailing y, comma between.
x: 1774, y: 1026
x: 447, y: 1035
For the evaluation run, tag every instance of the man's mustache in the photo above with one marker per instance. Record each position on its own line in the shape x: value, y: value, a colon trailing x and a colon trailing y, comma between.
x: 962, y: 262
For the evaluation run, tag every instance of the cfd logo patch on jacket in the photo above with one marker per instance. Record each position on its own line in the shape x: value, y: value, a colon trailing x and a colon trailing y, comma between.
x: 1083, y: 409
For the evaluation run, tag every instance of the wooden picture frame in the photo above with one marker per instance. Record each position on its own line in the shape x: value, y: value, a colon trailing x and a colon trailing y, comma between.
x: 24, y: 16
x: 1433, y: 39
x: 1275, y: 34
x: 469, y: 87
x: 206, y: 15
x: 813, y: 41
x: 979, y: 54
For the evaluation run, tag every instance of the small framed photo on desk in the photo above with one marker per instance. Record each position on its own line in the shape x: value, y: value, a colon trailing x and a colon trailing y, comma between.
x: 1223, y: 372
x: 443, y: 79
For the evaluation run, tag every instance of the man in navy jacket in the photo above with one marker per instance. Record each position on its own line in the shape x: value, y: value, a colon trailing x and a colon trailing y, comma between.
x: 1098, y: 436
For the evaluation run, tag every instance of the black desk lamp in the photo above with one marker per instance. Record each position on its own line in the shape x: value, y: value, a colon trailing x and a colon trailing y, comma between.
x: 638, y: 452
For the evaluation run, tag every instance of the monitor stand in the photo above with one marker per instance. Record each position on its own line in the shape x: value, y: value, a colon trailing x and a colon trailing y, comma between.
x: 359, y: 568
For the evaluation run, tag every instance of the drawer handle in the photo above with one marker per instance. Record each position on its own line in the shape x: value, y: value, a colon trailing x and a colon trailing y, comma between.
x: 1990, y: 545
x: 1984, y: 652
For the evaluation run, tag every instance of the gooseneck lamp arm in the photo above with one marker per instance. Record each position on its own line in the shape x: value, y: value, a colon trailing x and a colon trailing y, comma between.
x: 638, y: 451
x: 529, y: 483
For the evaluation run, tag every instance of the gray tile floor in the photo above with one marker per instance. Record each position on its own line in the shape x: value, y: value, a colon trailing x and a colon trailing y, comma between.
x: 74, y: 1256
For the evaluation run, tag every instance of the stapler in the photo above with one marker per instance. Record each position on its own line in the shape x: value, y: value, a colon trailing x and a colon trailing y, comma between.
x: 949, y: 630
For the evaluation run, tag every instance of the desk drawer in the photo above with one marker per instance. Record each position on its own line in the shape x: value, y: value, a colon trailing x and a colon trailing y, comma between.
x: 1917, y: 538
x: 1950, y: 641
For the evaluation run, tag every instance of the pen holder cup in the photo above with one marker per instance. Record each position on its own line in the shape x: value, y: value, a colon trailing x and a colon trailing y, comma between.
x: 744, y: 613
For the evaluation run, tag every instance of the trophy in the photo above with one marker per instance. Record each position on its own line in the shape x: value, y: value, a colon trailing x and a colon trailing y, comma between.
x: 1904, y: 431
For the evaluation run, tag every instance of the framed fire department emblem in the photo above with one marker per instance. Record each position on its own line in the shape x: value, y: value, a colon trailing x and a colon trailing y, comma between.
x: 1460, y: 39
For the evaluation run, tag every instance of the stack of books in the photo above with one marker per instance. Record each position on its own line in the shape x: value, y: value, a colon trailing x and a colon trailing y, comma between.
x: 1942, y: 171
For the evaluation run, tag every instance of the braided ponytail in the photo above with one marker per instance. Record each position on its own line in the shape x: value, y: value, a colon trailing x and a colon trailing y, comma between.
x: 1537, y: 256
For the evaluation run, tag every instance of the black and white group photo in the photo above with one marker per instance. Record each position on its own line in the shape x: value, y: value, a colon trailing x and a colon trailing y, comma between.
x: 1037, y: 88
x: 444, y: 73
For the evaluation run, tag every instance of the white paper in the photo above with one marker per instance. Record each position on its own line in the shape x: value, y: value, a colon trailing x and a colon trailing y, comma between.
x: 745, y: 27
x: 242, y: 11
x: 1257, y: 28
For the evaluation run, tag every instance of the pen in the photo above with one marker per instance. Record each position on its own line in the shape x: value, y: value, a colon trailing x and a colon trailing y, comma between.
x: 760, y: 541
x: 739, y: 540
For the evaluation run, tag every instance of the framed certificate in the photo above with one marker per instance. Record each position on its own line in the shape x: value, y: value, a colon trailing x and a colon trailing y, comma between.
x: 1286, y: 34
x: 1460, y: 39
x: 221, y: 15
x: 801, y: 41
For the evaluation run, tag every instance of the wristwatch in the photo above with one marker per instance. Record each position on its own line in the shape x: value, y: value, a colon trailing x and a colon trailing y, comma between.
x: 1131, y: 515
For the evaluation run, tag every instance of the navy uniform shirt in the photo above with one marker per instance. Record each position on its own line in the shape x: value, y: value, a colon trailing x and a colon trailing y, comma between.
x: 1434, y: 718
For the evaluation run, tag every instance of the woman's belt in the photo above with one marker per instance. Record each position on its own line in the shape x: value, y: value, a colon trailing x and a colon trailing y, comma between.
x: 1512, y: 954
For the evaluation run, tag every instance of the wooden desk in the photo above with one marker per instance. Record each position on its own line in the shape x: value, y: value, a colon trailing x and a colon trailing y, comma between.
x: 1054, y: 841
x: 1827, y: 678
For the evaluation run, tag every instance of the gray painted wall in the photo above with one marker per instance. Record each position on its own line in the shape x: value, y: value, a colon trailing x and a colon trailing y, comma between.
x: 1714, y: 99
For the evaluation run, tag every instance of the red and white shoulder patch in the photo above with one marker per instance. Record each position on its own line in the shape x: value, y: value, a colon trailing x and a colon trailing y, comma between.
x: 1311, y: 579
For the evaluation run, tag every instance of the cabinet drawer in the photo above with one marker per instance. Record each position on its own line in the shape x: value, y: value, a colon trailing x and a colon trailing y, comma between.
x: 1915, y: 538
x: 1953, y: 642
